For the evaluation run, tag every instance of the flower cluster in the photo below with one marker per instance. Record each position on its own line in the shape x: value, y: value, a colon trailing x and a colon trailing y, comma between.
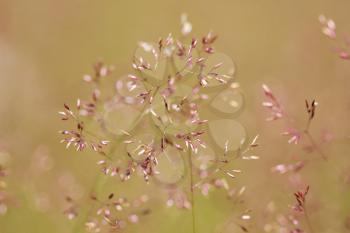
x: 164, y: 117
x: 115, y: 213
x: 272, y: 104
x: 300, y: 197
x: 290, y: 222
x: 295, y: 134
x: 110, y: 214
x: 329, y: 29
x: 79, y: 138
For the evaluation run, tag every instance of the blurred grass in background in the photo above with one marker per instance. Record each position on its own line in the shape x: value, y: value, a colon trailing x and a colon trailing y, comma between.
x: 47, y: 46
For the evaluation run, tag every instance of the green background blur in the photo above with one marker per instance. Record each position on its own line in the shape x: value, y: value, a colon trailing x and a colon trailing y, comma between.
x: 46, y: 46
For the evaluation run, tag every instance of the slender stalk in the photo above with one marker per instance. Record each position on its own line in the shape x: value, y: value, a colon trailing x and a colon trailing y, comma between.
x: 192, y: 192
x: 307, y: 220
x: 315, y: 145
x: 312, y: 140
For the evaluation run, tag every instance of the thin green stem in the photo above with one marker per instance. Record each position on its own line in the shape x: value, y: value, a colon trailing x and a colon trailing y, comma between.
x: 315, y: 145
x: 312, y: 141
x: 307, y: 220
x: 192, y: 192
